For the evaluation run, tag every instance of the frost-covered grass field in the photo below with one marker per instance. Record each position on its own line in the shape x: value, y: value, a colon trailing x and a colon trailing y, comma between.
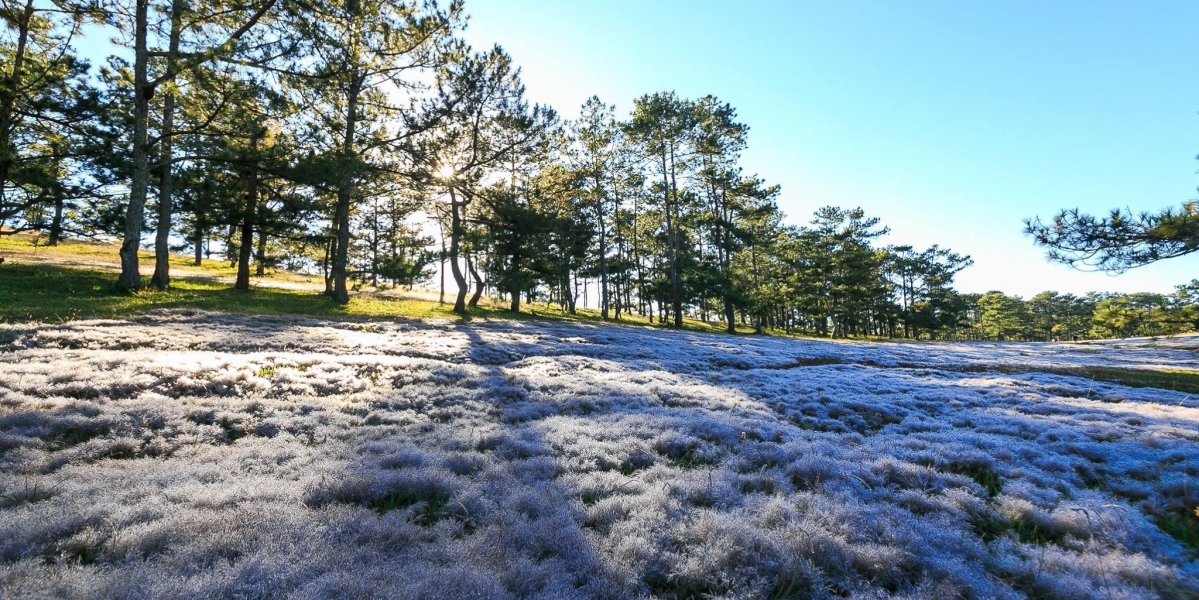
x: 190, y: 454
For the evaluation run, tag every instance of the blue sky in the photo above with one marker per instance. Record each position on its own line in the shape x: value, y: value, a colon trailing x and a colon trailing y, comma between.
x: 952, y: 121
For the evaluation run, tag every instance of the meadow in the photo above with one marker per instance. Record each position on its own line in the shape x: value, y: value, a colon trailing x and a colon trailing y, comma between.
x: 189, y: 453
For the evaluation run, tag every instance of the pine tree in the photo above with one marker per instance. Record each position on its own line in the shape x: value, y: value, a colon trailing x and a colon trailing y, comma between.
x: 841, y: 267
x: 598, y: 137
x: 155, y: 69
x: 488, y: 119
x: 1120, y: 241
x: 660, y: 124
x: 360, y: 66
x: 47, y: 108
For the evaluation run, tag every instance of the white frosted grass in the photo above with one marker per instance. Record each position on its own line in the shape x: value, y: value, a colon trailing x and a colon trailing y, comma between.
x: 195, y: 455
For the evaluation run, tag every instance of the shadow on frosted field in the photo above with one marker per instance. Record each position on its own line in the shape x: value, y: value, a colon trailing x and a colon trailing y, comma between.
x: 190, y: 454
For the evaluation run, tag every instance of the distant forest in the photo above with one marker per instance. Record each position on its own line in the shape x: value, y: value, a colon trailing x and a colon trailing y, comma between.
x: 366, y: 141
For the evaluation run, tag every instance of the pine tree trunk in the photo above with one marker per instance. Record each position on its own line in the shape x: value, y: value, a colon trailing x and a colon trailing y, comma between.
x: 341, y: 293
x: 131, y: 278
x: 199, y: 242
x: 730, y: 315
x: 474, y: 273
x: 231, y: 245
x: 571, y: 298
x: 56, y: 222
x: 162, y: 251
x: 726, y: 257
x: 247, y: 232
x: 375, y: 243
x: 757, y: 316
x: 672, y: 190
x: 455, y: 241
x: 441, y: 271
x: 326, y: 264
x: 603, y: 248
x: 8, y: 96
x: 260, y: 258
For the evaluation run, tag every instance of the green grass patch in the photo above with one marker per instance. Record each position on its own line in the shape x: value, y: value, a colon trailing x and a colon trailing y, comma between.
x: 75, y: 435
x: 984, y: 474
x: 1178, y: 380
x: 429, y: 505
x: 988, y: 524
x: 1034, y: 533
x: 75, y: 280
x: 590, y: 315
x: 53, y: 293
x: 30, y: 247
x: 1182, y: 524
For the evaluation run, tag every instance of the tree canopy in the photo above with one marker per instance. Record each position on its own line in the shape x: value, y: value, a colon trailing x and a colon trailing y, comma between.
x: 366, y: 141
x: 1119, y: 241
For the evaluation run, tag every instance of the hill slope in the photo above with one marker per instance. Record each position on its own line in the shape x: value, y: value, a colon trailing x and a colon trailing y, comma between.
x: 192, y: 454
x: 76, y: 280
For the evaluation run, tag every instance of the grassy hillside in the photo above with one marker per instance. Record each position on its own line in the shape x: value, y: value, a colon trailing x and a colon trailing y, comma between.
x: 75, y: 281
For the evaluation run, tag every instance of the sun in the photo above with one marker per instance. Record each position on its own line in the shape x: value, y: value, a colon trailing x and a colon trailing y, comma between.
x: 445, y: 172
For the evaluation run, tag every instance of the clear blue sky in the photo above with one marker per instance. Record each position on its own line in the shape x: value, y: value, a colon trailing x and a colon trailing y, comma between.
x: 951, y: 121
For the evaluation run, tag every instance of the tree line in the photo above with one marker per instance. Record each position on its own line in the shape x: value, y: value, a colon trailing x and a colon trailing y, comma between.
x: 367, y: 141
x: 1050, y: 316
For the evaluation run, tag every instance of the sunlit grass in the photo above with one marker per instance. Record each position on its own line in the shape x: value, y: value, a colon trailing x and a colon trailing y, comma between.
x: 21, y: 243
x: 53, y: 293
x: 30, y: 247
x: 48, y: 293
x: 75, y: 279
x: 1178, y: 380
x: 551, y: 311
x: 33, y: 288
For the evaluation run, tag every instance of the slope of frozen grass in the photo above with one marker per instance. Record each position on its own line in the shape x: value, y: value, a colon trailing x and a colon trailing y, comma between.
x: 188, y: 454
